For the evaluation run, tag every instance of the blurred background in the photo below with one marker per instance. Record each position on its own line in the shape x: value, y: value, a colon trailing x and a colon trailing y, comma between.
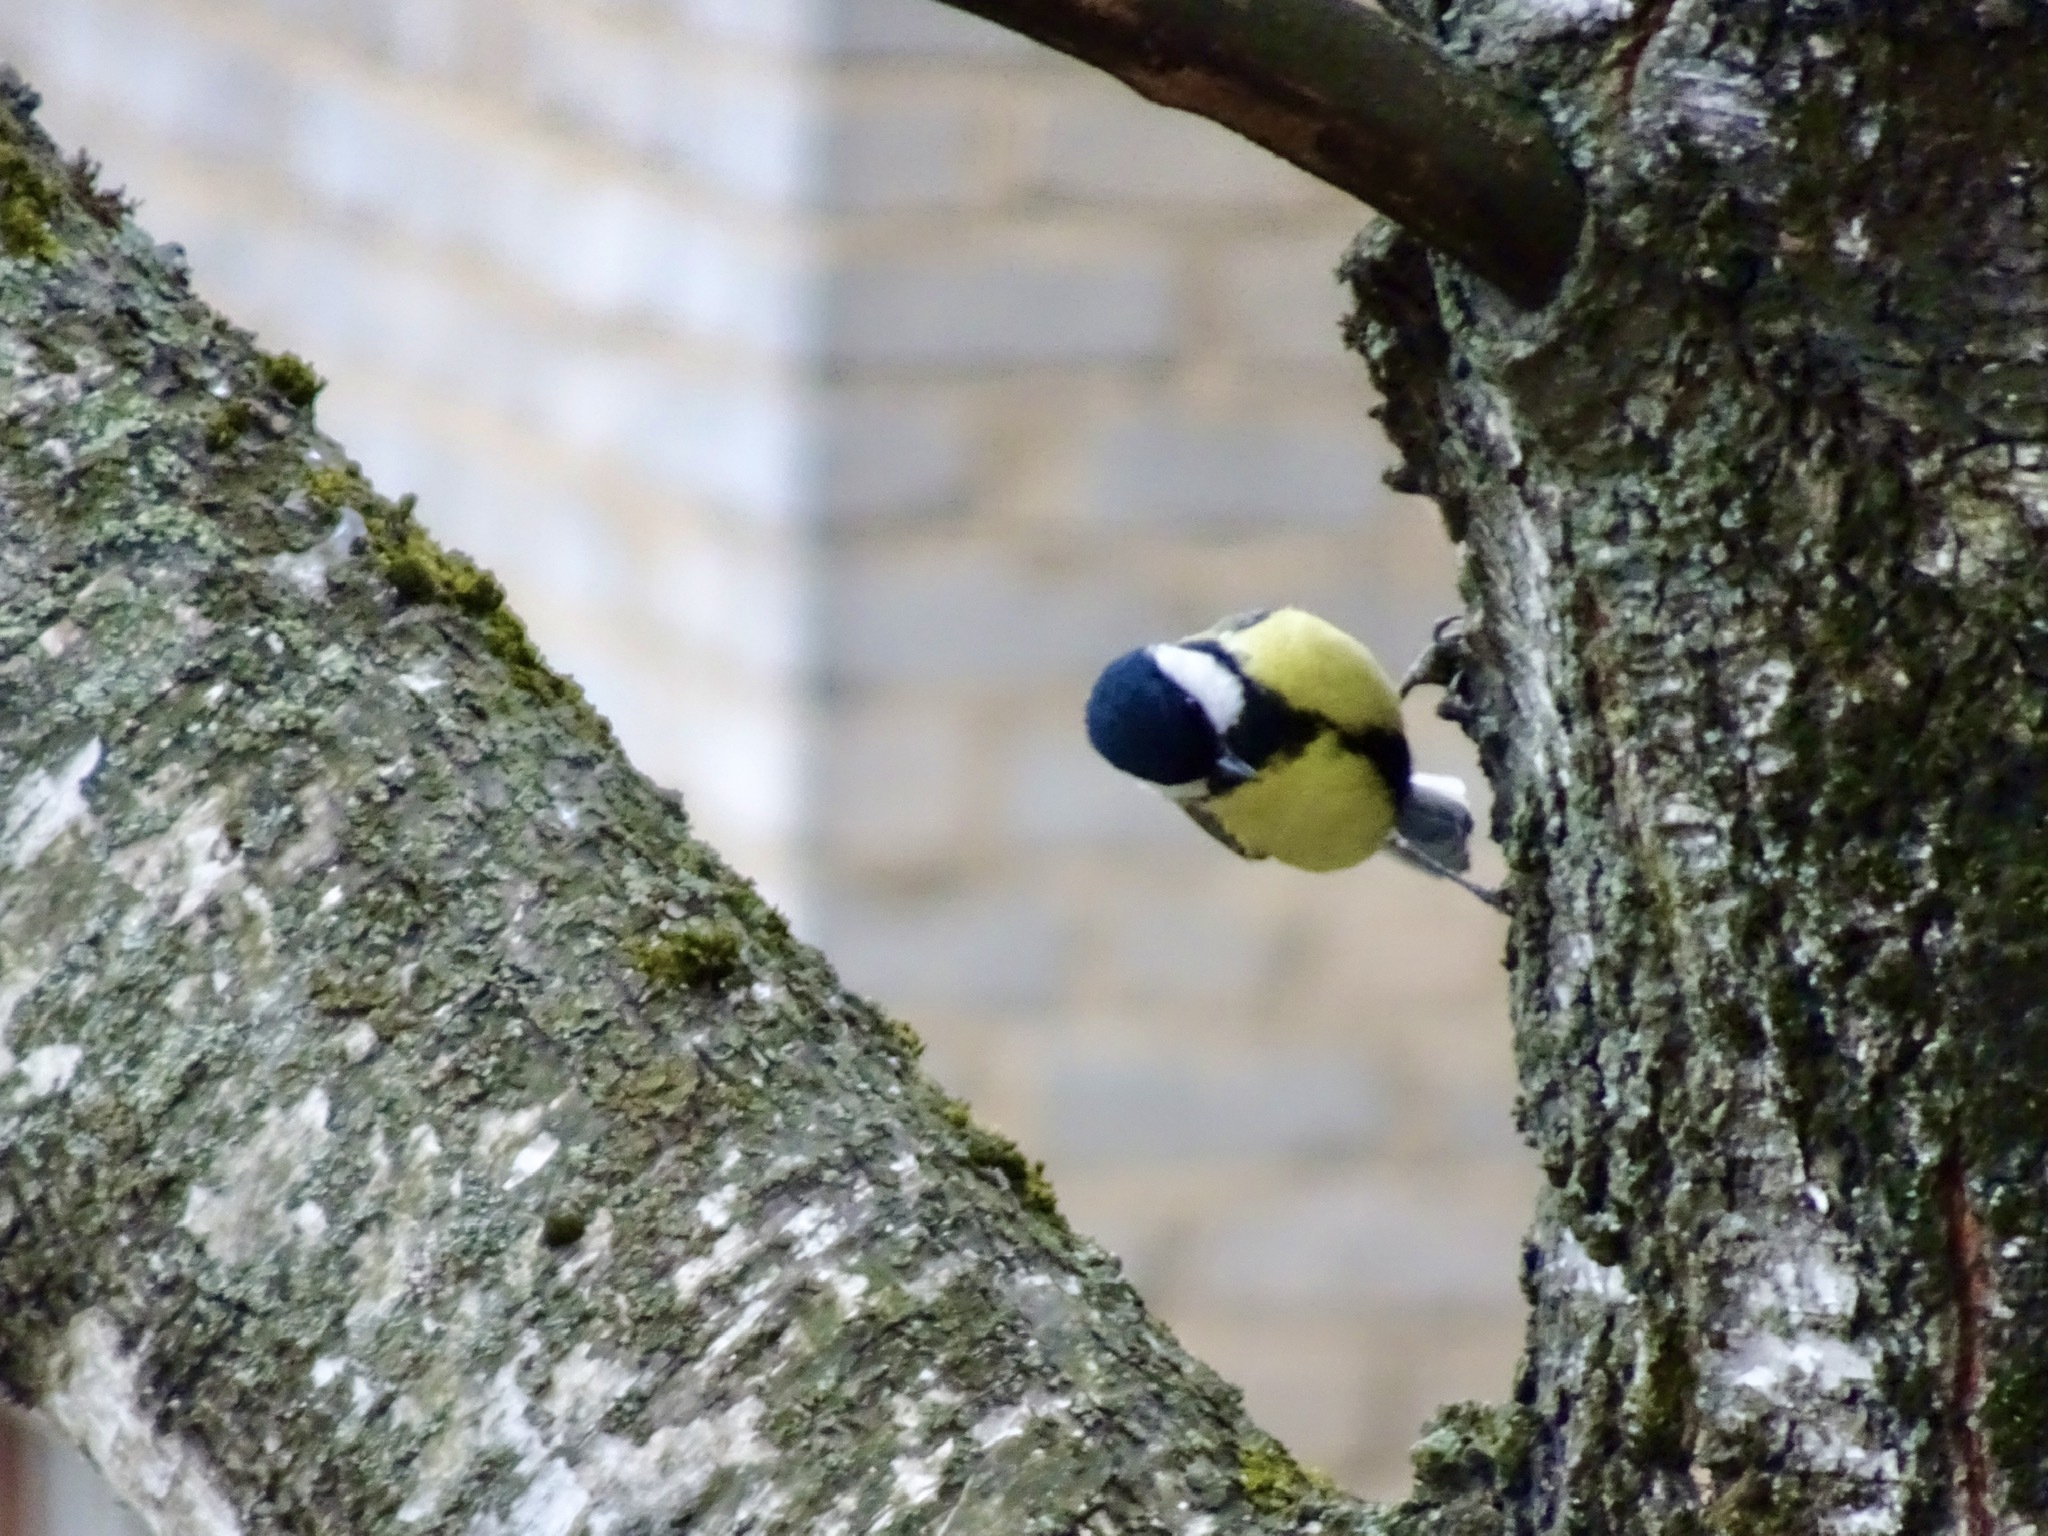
x: 836, y: 385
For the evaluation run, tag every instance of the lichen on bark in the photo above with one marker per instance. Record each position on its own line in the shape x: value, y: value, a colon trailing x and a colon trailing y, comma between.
x: 405, y: 1123
x: 1754, y: 519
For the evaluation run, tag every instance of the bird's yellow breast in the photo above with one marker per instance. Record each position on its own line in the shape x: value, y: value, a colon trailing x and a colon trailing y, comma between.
x: 1325, y: 809
x: 1315, y: 667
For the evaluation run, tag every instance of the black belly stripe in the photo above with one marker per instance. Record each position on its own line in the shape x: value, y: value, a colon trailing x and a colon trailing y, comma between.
x: 1387, y: 751
x: 1270, y: 729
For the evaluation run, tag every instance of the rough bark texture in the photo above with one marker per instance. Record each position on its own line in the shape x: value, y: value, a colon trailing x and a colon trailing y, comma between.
x: 1756, y: 516
x: 404, y: 1124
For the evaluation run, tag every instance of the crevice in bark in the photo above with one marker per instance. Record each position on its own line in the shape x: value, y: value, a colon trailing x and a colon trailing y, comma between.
x: 1971, y: 1277
x: 1646, y: 31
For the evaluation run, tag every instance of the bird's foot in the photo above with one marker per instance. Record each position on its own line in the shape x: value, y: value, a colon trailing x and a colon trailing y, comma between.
x: 1441, y: 660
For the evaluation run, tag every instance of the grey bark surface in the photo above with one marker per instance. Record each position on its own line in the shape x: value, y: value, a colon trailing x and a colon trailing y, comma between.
x: 405, y: 1125
x: 1755, y: 517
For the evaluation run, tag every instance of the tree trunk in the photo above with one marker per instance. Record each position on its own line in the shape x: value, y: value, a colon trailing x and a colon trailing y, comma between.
x: 408, y: 1126
x: 1755, y: 516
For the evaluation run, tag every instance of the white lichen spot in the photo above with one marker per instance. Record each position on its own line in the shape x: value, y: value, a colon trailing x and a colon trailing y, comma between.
x: 764, y: 992
x: 847, y: 1285
x: 1575, y: 15
x: 358, y: 1041
x: 45, y: 1071
x: 247, y: 1215
x: 575, y: 1478
x: 715, y: 1209
x: 908, y: 1170
x: 1809, y: 1288
x: 309, y: 569
x: 99, y: 1408
x: 815, y: 1230
x: 327, y: 1368
x: 930, y: 1282
x: 185, y: 865
x: 1772, y: 1366
x: 1852, y: 241
x: 1572, y: 958
x: 1580, y: 1272
x: 917, y: 1478
x: 1007, y: 1423
x: 319, y: 844
x: 309, y: 1221
x: 497, y: 1130
x: 46, y: 804
x: 1722, y: 105
x: 59, y: 638
x: 1498, y: 424
x: 671, y: 1469
x: 530, y: 1159
x: 726, y: 1255
x: 421, y: 682
x: 387, y: 1258
x: 739, y: 1330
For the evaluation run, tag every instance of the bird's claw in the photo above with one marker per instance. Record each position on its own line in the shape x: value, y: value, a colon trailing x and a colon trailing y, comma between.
x: 1441, y: 660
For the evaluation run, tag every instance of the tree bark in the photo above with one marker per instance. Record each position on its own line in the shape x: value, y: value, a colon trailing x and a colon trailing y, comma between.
x: 404, y: 1123
x: 383, y: 1053
x: 1755, y: 516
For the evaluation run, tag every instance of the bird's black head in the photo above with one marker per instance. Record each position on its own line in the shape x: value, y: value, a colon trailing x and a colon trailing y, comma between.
x: 1145, y: 724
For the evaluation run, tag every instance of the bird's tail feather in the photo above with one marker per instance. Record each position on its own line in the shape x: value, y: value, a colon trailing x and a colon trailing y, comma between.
x: 1433, y: 832
x: 1436, y: 822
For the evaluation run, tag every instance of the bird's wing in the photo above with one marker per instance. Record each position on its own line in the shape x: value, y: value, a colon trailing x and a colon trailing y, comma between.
x: 1209, y: 824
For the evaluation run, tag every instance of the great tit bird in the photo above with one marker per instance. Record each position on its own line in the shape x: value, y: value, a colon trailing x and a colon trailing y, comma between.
x: 1281, y: 737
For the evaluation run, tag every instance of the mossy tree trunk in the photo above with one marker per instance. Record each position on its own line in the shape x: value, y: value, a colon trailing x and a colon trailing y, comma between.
x: 407, y: 1125
x: 1756, y: 524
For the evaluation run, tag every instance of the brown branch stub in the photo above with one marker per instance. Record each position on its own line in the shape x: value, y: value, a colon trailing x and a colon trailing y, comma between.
x: 1352, y: 97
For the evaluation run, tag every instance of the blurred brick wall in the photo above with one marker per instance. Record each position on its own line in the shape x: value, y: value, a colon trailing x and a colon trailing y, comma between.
x: 836, y: 384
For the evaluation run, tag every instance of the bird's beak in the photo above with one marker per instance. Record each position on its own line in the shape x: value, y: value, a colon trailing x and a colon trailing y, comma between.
x: 1234, y: 770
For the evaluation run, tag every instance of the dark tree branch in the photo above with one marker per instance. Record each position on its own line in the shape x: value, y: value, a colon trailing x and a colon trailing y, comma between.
x: 1352, y: 97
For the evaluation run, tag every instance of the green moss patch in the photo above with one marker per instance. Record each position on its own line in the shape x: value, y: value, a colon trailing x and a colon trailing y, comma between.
x: 1000, y: 1155
x: 292, y: 378
x: 1274, y: 1482
x: 29, y: 202
x: 226, y: 426
x: 702, y: 953
x: 423, y: 572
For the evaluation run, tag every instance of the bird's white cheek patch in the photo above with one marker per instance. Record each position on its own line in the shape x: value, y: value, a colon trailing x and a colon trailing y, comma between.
x: 1204, y: 679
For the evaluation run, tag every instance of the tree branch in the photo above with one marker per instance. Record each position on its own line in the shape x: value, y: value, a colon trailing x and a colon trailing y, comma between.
x: 404, y: 1123
x: 1353, y: 98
